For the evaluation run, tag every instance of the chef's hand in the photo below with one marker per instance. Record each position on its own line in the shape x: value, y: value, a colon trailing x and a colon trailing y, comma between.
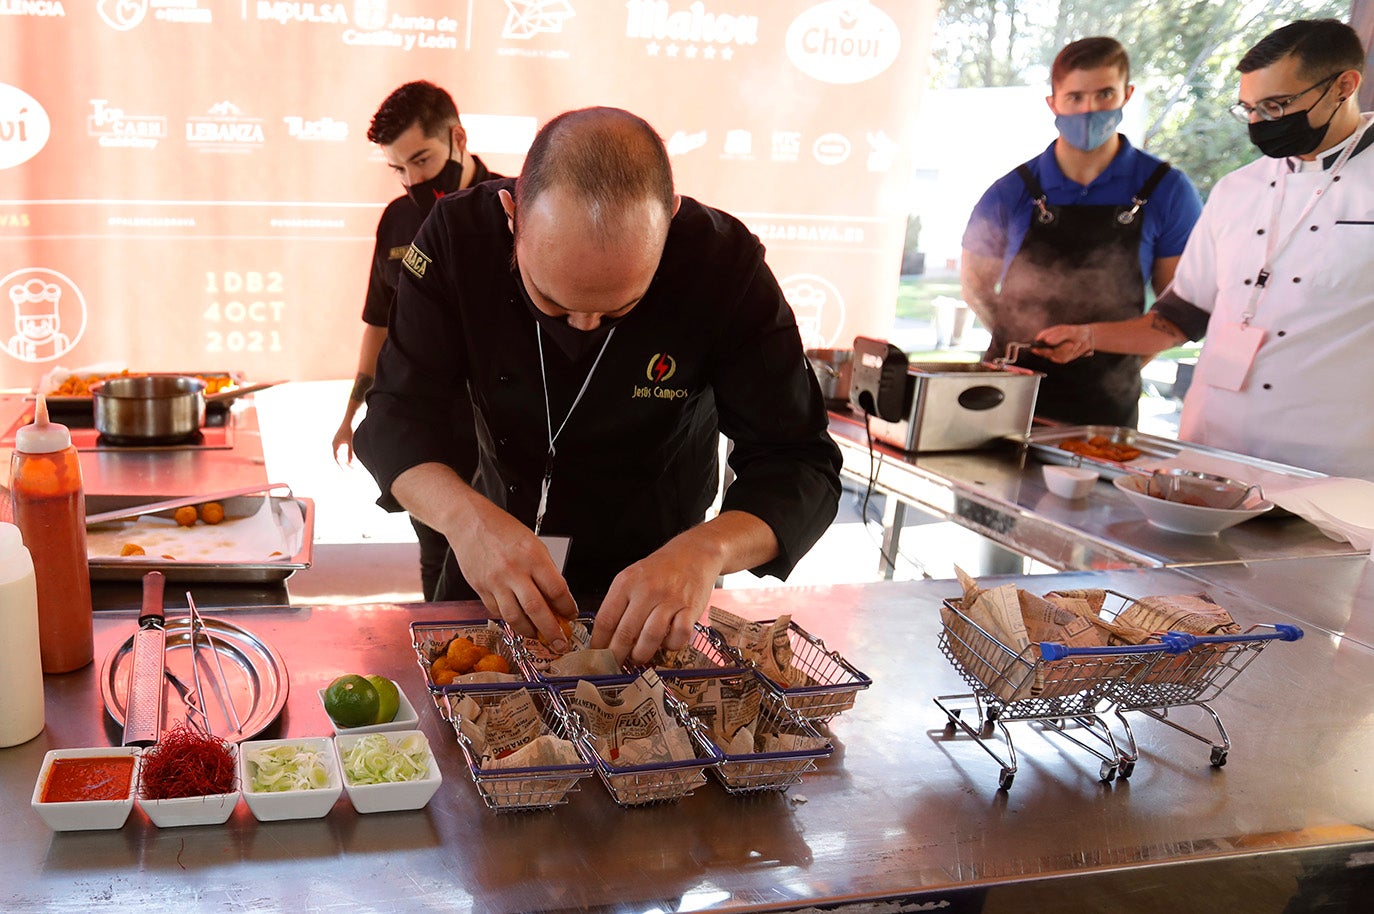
x: 1064, y: 342
x: 513, y: 574
x: 343, y: 438
x: 655, y: 601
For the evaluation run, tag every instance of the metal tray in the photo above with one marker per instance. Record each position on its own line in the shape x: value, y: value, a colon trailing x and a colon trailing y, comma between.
x: 1044, y: 444
x: 131, y: 568
x: 254, y: 678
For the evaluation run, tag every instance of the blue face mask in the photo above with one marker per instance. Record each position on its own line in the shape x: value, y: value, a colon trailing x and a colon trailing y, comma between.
x: 1088, y: 130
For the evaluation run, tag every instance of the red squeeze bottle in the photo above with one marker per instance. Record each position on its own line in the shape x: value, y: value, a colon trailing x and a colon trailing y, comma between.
x: 50, y: 511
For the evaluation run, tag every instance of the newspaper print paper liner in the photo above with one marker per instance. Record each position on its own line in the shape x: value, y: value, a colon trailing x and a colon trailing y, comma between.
x: 752, y: 772
x: 520, y: 789
x: 830, y: 683
x: 429, y: 639
x: 644, y: 785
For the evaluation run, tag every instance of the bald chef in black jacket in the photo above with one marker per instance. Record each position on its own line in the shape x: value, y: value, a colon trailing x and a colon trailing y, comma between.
x: 606, y: 329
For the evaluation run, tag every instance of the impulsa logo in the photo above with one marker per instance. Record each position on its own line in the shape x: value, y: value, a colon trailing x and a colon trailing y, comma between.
x: 24, y: 126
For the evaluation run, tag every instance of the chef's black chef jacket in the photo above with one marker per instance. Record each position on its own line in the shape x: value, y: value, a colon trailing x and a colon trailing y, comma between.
x: 713, y: 346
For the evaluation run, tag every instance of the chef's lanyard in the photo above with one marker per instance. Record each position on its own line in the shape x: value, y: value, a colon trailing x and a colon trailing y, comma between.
x: 548, y: 420
x: 1274, y: 248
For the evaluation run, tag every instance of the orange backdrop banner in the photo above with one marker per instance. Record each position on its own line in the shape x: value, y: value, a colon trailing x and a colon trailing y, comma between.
x: 186, y: 185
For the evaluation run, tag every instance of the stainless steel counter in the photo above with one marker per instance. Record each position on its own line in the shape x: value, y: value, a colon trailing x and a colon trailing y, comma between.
x: 999, y: 493
x: 903, y: 812
x: 163, y: 471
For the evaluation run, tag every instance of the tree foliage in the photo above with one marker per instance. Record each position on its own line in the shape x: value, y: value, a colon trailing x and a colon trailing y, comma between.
x: 1183, y: 58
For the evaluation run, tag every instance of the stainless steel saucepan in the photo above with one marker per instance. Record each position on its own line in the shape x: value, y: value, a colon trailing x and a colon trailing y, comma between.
x: 156, y: 408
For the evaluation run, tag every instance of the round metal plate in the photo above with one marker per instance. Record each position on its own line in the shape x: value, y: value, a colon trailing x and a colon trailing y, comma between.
x: 249, y: 697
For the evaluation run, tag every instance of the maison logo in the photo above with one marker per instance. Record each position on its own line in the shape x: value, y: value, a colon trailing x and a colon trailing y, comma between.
x: 48, y: 313
x: 225, y: 129
x: 689, y: 32
x: 113, y: 128
x: 818, y: 306
x: 843, y: 41
x: 24, y: 126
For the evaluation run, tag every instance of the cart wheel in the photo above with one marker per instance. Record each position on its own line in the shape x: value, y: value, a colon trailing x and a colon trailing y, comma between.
x: 994, y: 712
x: 1218, y: 757
x: 1107, y: 773
x: 1004, y: 782
x: 1127, y: 769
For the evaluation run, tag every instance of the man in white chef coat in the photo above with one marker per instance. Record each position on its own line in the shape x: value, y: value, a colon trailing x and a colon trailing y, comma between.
x: 1279, y: 272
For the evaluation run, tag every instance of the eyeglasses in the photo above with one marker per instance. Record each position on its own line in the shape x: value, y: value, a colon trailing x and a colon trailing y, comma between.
x: 1271, y: 109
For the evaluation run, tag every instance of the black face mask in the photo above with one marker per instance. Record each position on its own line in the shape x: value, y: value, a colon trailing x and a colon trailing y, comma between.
x: 425, y: 193
x: 1290, y: 135
x: 576, y: 344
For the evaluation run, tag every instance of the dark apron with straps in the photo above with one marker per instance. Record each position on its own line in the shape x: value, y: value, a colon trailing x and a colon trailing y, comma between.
x: 1077, y: 265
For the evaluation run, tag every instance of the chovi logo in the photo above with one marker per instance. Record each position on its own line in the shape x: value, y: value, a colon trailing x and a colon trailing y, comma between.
x: 843, y: 41
x: 49, y: 314
x: 24, y: 126
x: 660, y: 368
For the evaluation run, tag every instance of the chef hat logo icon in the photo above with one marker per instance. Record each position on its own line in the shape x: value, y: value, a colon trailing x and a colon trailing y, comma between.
x: 49, y: 314
x: 661, y: 367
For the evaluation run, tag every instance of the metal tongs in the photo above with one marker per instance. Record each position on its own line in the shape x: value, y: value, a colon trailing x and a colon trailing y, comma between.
x: 1013, y: 352
x: 194, y: 697
x: 1212, y: 491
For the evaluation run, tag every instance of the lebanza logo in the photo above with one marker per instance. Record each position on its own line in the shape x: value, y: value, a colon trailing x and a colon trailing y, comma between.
x: 417, y: 261
x: 843, y: 41
x: 24, y: 126
x: 41, y: 299
x: 661, y: 367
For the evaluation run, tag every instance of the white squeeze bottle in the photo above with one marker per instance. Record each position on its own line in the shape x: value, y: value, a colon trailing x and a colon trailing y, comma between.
x: 21, y: 670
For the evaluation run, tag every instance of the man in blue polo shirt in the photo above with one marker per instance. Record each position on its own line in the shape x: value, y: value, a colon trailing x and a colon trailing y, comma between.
x: 1071, y: 236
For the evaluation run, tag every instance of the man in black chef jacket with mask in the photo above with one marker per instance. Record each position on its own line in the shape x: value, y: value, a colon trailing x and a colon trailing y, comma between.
x: 607, y: 330
x: 422, y: 139
x: 1077, y: 231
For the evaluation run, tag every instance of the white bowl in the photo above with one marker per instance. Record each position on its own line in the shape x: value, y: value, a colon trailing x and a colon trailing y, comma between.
x: 395, y: 795
x: 303, y: 803
x: 1183, y: 518
x: 84, y: 815
x: 407, y: 718
x: 1069, y: 482
x: 211, y: 809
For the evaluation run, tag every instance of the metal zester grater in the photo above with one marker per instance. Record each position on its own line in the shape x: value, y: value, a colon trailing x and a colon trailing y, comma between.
x: 143, y: 710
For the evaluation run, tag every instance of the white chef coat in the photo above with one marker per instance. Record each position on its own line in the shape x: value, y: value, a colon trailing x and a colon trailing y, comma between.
x: 1306, y: 401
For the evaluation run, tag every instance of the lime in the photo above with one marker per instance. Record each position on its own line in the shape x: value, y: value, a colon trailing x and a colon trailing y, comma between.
x: 388, y: 698
x: 351, y: 701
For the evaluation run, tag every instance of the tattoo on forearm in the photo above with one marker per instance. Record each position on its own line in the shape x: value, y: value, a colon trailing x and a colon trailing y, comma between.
x: 1162, y: 325
x: 361, y: 385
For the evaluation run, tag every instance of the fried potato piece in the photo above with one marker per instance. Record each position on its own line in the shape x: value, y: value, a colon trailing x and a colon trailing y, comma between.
x: 462, y: 654
x: 131, y: 549
x: 186, y: 517
x: 492, y: 663
x: 444, y: 677
x: 212, y: 512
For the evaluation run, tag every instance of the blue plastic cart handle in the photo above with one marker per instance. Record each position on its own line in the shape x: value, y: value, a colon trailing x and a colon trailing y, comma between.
x: 1177, y: 642
x: 1173, y: 642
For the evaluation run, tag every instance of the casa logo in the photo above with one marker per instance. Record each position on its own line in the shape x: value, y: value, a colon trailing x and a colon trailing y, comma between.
x: 689, y: 31
x: 843, y: 41
x: 325, y: 129
x: 831, y: 148
x: 224, y: 129
x: 123, y: 15
x: 818, y: 306
x: 48, y: 313
x: 37, y: 8
x: 528, y: 18
x: 417, y: 261
x: 24, y: 126
x: 112, y: 128
x: 284, y: 12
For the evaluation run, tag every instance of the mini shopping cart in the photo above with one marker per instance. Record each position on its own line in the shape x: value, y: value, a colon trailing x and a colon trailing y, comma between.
x: 1070, y: 690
